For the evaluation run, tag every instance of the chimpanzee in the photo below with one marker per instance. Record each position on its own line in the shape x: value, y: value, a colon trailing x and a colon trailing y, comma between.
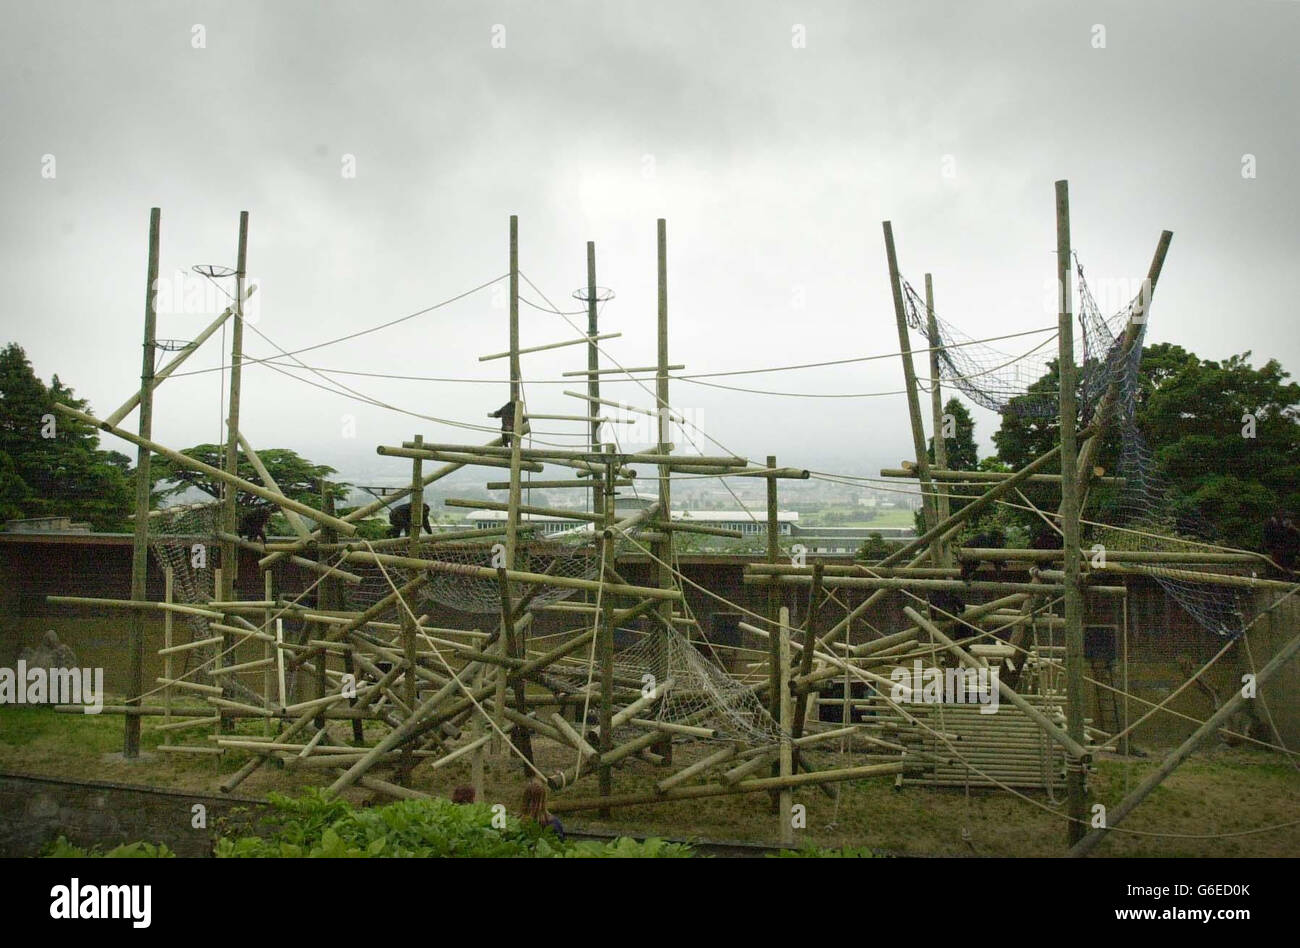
x: 252, y: 524
x: 399, y: 520
x: 1282, y: 540
x: 1045, y: 538
x: 507, y: 415
x: 945, y: 606
x: 994, y: 538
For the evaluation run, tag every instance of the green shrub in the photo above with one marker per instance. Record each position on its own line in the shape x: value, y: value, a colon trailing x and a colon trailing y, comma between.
x: 315, y: 826
x: 62, y: 849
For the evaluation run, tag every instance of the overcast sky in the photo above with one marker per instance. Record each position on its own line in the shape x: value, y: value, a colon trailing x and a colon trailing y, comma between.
x: 773, y: 137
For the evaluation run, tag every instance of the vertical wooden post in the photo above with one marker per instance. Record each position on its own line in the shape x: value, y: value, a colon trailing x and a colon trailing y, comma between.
x: 775, y: 671
x: 476, y: 731
x: 593, y: 366
x: 410, y: 680
x: 512, y: 513
x: 169, y: 669
x: 663, y: 548
x: 913, y: 400
x: 217, y: 662
x: 268, y: 653
x: 1075, y: 789
x: 413, y: 551
x: 140, y: 539
x: 230, y: 494
x: 785, y: 718
x: 327, y: 598
x: 936, y: 408
x: 279, y: 663
x: 606, y: 640
x: 514, y: 308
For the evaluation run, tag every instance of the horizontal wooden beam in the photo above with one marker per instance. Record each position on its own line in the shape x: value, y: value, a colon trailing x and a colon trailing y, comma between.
x: 581, y: 340
x: 525, y: 508
x: 455, y: 457
x: 561, y: 805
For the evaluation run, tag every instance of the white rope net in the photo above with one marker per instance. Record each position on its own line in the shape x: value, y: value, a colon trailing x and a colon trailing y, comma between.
x: 702, y: 694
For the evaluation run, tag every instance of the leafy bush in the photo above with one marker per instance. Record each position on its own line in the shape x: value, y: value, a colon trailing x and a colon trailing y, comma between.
x: 315, y: 826
x: 62, y: 849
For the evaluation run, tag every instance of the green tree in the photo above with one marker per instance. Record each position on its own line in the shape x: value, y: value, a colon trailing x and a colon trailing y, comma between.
x: 873, y: 548
x: 962, y: 455
x: 1227, y: 437
x: 52, y: 465
x: 296, y: 476
x: 1224, y: 435
x: 371, y: 528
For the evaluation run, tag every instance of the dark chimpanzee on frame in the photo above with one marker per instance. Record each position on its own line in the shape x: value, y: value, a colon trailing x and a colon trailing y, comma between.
x: 399, y: 520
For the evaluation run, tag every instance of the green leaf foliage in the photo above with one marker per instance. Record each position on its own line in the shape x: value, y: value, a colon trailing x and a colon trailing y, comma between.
x: 66, y: 475
x: 318, y: 827
x: 61, y: 848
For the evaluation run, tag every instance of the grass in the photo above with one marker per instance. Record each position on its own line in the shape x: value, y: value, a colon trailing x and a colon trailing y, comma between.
x: 1220, y: 791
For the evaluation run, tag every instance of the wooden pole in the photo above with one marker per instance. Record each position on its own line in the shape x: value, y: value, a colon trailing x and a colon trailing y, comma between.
x: 230, y: 496
x: 605, y: 648
x: 1076, y: 789
x: 512, y: 634
x: 413, y: 550
x: 270, y: 652
x: 936, y: 404
x: 140, y: 539
x: 742, y: 786
x: 327, y: 599
x: 593, y: 366
x: 913, y: 399
x: 516, y: 459
x: 663, y: 548
x: 169, y: 670
x: 514, y: 309
x: 775, y: 670
x: 786, y: 762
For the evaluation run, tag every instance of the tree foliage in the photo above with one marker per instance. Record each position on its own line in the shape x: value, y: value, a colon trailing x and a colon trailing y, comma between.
x: 51, y: 465
x: 1224, y: 435
x: 962, y: 454
x: 297, y: 477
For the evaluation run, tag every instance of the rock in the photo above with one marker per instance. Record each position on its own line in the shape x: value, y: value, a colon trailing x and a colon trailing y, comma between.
x: 51, y: 653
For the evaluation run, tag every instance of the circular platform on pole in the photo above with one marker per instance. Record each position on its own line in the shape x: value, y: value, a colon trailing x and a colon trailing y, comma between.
x: 603, y: 293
